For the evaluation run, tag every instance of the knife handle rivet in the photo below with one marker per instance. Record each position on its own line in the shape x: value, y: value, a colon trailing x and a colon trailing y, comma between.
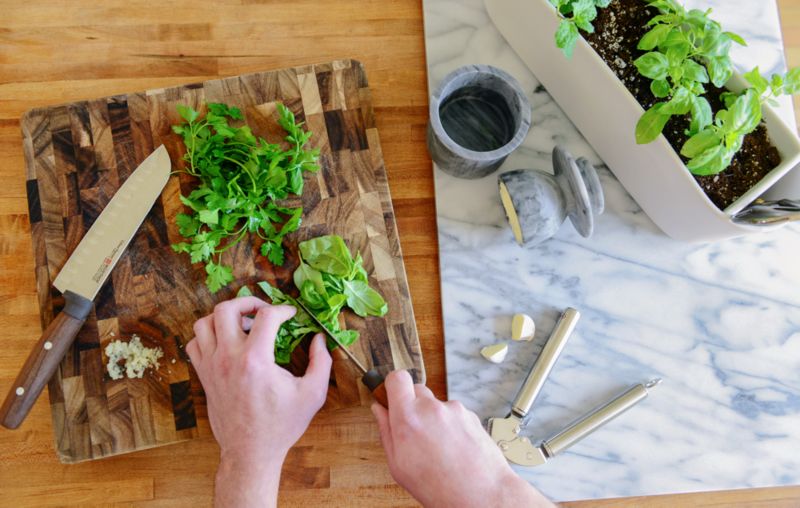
x: 20, y: 390
x: 48, y: 346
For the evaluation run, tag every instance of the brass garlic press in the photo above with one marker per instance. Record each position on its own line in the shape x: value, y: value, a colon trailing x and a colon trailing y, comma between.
x: 506, y: 431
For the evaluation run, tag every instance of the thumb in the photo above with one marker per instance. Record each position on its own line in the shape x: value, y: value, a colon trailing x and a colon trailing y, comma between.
x: 318, y: 372
x: 382, y: 417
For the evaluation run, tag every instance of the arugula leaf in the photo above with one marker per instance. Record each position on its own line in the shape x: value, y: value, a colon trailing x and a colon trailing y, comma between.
x: 239, y: 177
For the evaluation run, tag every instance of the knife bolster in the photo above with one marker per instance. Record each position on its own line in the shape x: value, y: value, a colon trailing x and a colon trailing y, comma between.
x: 76, y: 306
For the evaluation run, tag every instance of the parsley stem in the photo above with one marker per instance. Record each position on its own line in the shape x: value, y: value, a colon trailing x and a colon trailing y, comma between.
x: 252, y: 178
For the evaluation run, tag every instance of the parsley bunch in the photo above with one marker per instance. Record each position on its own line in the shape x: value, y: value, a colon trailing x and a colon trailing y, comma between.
x: 575, y: 14
x: 241, y: 179
x: 328, y: 279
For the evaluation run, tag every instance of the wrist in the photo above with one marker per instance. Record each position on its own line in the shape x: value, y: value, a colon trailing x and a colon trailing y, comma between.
x: 248, y: 479
x: 516, y: 491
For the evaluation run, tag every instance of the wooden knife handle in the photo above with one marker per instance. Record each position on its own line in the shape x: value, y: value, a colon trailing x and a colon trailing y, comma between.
x: 43, y: 360
x: 374, y: 381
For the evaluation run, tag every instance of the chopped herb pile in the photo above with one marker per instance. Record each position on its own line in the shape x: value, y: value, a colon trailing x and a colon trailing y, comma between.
x: 328, y: 278
x: 241, y: 178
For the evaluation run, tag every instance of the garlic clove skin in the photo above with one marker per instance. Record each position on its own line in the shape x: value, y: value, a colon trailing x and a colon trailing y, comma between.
x: 522, y: 327
x: 495, y: 353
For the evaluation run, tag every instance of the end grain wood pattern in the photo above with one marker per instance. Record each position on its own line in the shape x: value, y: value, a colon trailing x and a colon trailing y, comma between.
x: 78, y: 154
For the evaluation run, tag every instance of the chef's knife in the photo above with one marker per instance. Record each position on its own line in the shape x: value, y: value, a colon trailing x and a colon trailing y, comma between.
x: 371, y: 378
x: 81, y: 278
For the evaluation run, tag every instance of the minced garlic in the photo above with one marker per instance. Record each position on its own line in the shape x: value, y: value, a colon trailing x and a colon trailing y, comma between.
x: 137, y: 358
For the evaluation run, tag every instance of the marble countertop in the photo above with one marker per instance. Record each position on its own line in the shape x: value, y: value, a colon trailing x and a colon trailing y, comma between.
x: 720, y: 322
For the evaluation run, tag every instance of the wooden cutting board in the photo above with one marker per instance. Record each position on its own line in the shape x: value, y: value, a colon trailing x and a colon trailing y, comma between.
x: 78, y: 154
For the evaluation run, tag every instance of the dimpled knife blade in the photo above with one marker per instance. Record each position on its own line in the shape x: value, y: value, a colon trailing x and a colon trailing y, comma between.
x: 81, y: 278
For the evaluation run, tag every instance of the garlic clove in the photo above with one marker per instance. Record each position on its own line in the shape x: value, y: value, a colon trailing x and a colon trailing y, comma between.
x: 495, y: 353
x: 522, y: 327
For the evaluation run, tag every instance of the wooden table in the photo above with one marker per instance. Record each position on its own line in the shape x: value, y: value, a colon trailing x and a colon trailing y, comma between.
x: 53, y: 52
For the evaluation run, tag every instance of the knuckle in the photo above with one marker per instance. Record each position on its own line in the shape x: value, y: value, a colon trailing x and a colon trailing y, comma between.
x: 267, y: 312
x: 456, y: 405
x: 197, y: 327
x: 223, y: 307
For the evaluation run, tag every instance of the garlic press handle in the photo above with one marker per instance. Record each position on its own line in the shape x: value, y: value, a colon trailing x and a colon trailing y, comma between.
x: 596, y: 418
x: 544, y: 363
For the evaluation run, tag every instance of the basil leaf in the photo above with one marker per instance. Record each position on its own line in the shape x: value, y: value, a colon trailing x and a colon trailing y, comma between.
x: 679, y: 104
x: 719, y: 70
x: 699, y: 143
x: 651, y: 124
x: 358, y: 272
x: 305, y: 273
x: 745, y: 112
x: 310, y: 295
x: 694, y: 71
x: 758, y: 82
x: 364, y: 300
x: 701, y: 115
x: 654, y: 37
x: 710, y: 162
x: 328, y: 254
x: 652, y: 65
x: 736, y: 38
x: 566, y: 37
x: 792, y: 82
x: 345, y: 338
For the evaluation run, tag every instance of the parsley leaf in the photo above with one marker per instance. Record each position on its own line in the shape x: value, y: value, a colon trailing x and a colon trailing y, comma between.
x: 239, y: 177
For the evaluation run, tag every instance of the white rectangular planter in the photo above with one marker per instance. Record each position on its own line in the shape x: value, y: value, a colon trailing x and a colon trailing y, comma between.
x: 606, y: 113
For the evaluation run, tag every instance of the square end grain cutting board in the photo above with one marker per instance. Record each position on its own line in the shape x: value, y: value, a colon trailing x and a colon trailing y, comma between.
x: 78, y: 154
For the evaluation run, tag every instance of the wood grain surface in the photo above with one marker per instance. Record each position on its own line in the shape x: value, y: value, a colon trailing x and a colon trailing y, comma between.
x: 55, y: 52
x: 78, y: 155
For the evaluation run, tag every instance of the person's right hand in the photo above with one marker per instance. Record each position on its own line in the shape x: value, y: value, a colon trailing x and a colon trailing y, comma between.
x: 441, y: 454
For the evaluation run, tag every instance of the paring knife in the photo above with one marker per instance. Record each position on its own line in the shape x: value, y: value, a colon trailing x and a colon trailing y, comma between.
x: 81, y: 278
x: 371, y: 378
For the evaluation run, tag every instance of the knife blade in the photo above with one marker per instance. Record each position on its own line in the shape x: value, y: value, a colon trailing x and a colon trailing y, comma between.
x: 371, y: 378
x: 81, y: 278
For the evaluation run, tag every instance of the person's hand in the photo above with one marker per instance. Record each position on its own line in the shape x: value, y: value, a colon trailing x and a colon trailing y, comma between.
x: 441, y: 454
x: 257, y: 409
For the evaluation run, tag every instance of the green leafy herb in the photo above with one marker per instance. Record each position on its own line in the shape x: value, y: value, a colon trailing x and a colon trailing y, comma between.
x: 685, y: 51
x: 713, y: 147
x: 328, y: 278
x: 575, y: 15
x: 241, y: 179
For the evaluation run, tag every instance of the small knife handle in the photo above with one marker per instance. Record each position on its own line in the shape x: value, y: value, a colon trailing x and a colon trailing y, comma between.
x: 44, y: 359
x: 375, y: 382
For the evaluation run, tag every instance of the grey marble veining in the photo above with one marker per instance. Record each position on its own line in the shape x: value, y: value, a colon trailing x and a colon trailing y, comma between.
x: 720, y: 322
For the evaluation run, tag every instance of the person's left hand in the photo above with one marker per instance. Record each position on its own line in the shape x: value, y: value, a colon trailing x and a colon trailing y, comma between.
x: 257, y: 409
